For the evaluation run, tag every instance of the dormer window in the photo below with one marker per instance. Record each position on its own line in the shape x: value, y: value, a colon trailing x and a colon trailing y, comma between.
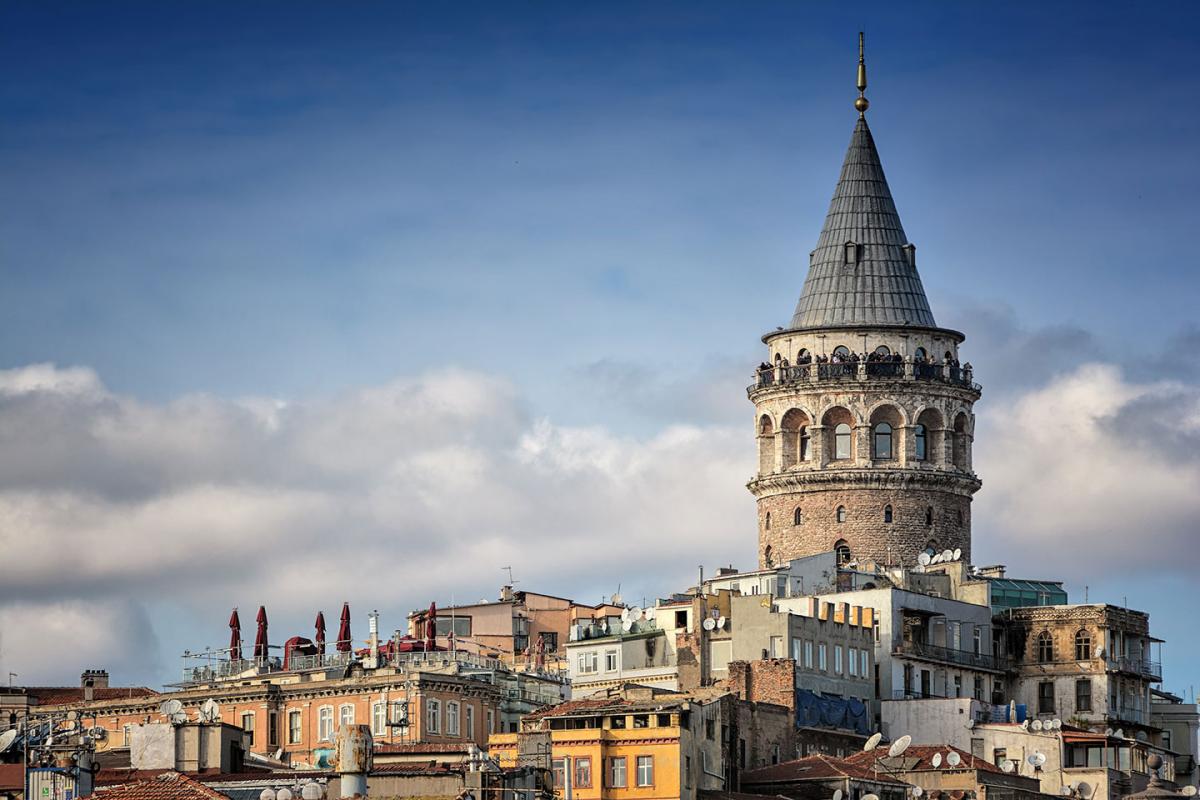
x: 852, y: 254
x: 910, y: 253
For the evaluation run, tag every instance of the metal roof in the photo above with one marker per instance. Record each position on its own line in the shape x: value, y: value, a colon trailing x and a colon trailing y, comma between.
x: 880, y: 285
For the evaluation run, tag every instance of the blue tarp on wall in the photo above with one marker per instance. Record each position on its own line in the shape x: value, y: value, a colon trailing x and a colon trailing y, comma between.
x: 813, y: 710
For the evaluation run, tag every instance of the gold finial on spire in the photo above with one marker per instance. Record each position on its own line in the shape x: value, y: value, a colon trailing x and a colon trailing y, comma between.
x: 861, y: 103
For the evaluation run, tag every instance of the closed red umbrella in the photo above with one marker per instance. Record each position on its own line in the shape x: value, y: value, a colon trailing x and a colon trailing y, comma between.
x: 235, y: 637
x: 431, y: 627
x: 260, y: 640
x: 344, y: 643
x: 320, y: 633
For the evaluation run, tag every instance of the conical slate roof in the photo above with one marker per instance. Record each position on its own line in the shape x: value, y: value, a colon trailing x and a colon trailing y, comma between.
x: 875, y: 283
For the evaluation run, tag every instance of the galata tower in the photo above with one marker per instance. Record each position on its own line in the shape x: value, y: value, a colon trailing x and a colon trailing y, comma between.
x: 863, y: 411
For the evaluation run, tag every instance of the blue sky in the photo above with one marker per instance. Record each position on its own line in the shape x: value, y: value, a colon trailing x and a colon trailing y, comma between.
x: 216, y: 210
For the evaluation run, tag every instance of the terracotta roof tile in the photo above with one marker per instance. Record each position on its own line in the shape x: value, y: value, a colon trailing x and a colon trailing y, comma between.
x: 815, y: 768
x: 62, y: 695
x: 919, y: 758
x: 167, y: 786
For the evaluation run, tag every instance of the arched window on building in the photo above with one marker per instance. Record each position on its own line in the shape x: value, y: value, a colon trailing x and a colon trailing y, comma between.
x: 920, y: 354
x: 929, y: 515
x: 767, y: 558
x: 887, y: 513
x: 1083, y: 646
x: 959, y: 517
x: 1045, y: 647
x: 805, y: 444
x: 841, y: 441
x: 841, y: 351
x: 767, y: 523
x: 841, y: 513
x: 883, y: 441
x: 842, y: 549
x: 922, y: 448
x: 798, y: 517
x: 882, y: 350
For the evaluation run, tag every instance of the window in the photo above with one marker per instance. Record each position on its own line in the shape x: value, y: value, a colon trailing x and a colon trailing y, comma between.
x: 559, y: 767
x: 645, y: 770
x: 777, y: 647
x: 1083, y: 646
x: 841, y: 514
x: 822, y: 662
x: 616, y: 772
x: 841, y: 351
x: 805, y: 444
x: 469, y: 724
x: 346, y: 715
x: 681, y: 618
x: 958, y: 514
x: 851, y: 253
x: 452, y: 718
x: 433, y: 716
x: 883, y: 441
x: 864, y: 664
x: 583, y: 773
x: 797, y: 517
x: 1046, y: 697
x: 1083, y: 695
x: 610, y: 661
x: 589, y: 663
x: 837, y: 659
x: 919, y: 437
x: 887, y: 514
x: 491, y: 721
x: 808, y: 662
x: 125, y: 734
x: 248, y: 726
x: 841, y: 441
x: 978, y: 688
x: 842, y: 549
x: 920, y: 354
x: 977, y: 641
x: 1045, y: 647
x: 379, y: 719
x: 325, y: 724
x: 958, y: 685
x: 928, y: 518
x: 295, y: 729
x: 852, y: 662
x: 768, y: 525
x: 400, y: 713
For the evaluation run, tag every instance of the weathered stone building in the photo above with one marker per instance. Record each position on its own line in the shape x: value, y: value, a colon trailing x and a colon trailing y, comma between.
x: 862, y: 410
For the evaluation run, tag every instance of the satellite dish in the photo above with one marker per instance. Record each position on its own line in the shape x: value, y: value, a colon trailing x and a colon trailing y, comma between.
x: 721, y: 623
x: 1108, y: 731
x: 1066, y: 791
x: 923, y: 559
x: 266, y: 794
x: 635, y: 613
x: 1056, y: 723
x: 953, y: 759
x: 170, y: 708
x: 1085, y: 789
x: 898, y: 747
x: 1120, y: 734
x: 284, y: 794
x: 1025, y: 724
x: 870, y: 797
x: 710, y: 624
x: 936, y: 558
x: 210, y: 710
x: 6, y: 740
x: 947, y: 555
x: 937, y: 760
x: 1007, y: 766
x: 98, y: 733
x: 837, y: 794
x: 627, y: 625
x: 957, y: 553
x: 1037, y: 760
x: 917, y: 791
x: 1187, y: 791
x: 873, y: 742
x: 1036, y: 725
x: 311, y: 791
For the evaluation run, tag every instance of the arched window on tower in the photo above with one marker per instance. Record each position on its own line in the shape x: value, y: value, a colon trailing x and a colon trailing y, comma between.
x: 932, y: 549
x: 805, y: 444
x: 841, y: 351
x: 842, y: 549
x: 887, y: 513
x: 841, y: 441
x: 1083, y: 646
x: 883, y: 441
x: 920, y: 354
x: 767, y: 524
x: 922, y: 449
x: 929, y: 515
x: 841, y: 514
x: 882, y: 350
x: 960, y: 517
x: 1045, y: 647
x: 798, y: 517
x: 767, y: 558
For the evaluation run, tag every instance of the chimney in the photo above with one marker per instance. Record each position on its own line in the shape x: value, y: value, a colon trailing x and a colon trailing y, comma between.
x: 994, y: 571
x: 93, y: 679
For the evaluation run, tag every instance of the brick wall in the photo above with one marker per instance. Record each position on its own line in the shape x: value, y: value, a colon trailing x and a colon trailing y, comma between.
x: 770, y: 680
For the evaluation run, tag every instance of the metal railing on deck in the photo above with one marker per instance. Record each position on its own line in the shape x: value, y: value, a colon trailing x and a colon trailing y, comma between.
x: 964, y: 658
x: 863, y: 370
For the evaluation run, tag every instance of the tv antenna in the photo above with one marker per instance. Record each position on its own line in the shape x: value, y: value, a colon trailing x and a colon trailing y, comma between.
x: 511, y: 580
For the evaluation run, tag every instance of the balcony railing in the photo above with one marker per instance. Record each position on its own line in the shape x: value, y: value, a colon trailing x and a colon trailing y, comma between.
x: 863, y: 370
x: 963, y: 658
x: 1136, y: 666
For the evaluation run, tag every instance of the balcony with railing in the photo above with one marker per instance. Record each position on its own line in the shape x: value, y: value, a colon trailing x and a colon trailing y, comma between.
x: 1136, y: 666
x: 949, y: 655
x: 863, y: 370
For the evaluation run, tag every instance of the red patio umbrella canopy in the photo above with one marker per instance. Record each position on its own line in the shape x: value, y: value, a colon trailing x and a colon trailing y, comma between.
x: 431, y: 627
x: 235, y: 637
x: 260, y: 640
x: 344, y: 643
x: 320, y: 633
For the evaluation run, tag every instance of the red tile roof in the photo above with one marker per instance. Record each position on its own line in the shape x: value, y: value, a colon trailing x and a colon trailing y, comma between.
x: 815, y: 768
x: 167, y: 786
x: 62, y: 695
x: 919, y: 758
x: 385, y: 748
